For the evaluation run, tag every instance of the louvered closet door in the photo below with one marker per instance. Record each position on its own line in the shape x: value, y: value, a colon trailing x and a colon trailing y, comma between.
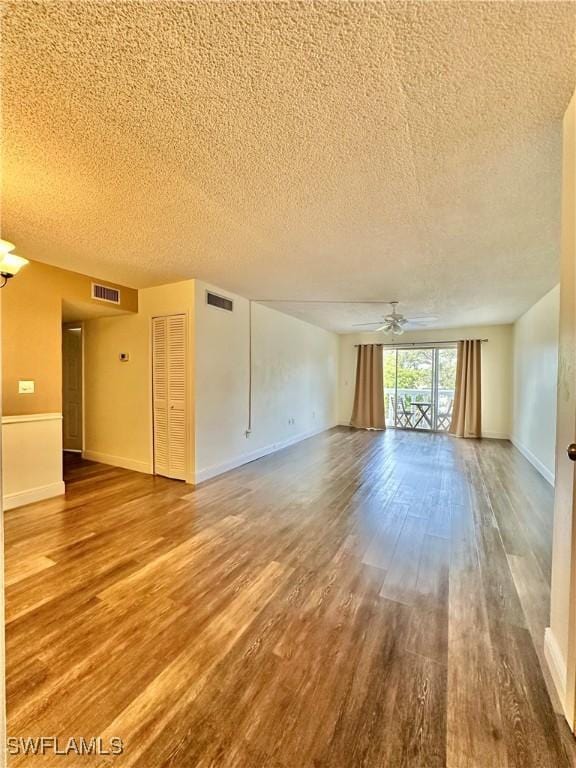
x: 169, y: 393
x: 176, y: 327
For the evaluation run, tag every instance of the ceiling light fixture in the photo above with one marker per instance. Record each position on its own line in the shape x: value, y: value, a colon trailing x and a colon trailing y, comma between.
x: 10, y: 263
x: 6, y: 247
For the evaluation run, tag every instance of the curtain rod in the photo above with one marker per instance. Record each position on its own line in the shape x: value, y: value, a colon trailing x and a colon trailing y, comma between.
x: 418, y: 343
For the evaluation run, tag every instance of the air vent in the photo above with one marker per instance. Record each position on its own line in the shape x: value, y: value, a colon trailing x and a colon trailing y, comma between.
x: 105, y: 293
x: 219, y: 301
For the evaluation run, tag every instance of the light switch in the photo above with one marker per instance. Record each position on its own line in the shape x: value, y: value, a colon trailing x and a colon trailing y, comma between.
x: 25, y: 387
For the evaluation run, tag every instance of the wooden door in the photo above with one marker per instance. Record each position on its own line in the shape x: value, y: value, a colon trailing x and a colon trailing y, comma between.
x: 72, y: 388
x: 170, y: 417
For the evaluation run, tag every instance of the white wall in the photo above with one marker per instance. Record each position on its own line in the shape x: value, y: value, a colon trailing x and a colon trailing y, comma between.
x: 496, y: 370
x: 535, y: 369
x: 31, y: 458
x: 295, y: 377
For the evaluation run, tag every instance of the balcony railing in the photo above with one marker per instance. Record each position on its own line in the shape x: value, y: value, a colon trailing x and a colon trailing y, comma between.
x: 416, y: 409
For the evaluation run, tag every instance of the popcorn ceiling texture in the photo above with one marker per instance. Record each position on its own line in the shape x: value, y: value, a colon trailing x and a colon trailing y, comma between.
x: 293, y: 150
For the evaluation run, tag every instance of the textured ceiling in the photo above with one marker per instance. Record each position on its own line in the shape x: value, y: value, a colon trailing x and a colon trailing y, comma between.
x: 327, y: 150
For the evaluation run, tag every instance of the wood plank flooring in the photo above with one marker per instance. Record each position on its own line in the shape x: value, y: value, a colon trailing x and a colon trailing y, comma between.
x: 360, y: 599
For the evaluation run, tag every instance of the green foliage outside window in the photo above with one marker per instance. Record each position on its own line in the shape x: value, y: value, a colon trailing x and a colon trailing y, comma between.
x: 415, y: 368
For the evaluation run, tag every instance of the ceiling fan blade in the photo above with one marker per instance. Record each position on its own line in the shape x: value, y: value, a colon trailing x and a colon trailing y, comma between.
x: 418, y: 322
x: 422, y: 318
x: 356, y: 325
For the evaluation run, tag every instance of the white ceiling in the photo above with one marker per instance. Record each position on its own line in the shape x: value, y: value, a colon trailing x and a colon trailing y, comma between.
x: 294, y: 150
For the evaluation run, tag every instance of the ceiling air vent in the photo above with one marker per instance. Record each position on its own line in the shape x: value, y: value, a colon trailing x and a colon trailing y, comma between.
x: 105, y: 293
x: 219, y: 301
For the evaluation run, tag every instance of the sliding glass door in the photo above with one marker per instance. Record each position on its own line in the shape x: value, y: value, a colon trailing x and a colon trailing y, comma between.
x: 419, y: 387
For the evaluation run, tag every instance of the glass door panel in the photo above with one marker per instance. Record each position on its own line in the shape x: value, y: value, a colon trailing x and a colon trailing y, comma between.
x: 390, y: 356
x: 415, y: 388
x: 446, y: 382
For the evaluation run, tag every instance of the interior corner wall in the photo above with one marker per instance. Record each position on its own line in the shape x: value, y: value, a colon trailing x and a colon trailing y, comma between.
x: 31, y: 333
x: 294, y: 382
x: 118, y: 395
x: 535, y: 371
x: 32, y: 350
x: 496, y: 370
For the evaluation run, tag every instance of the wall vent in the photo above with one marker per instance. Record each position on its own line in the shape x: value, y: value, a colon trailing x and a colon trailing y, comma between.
x: 105, y: 293
x: 219, y: 301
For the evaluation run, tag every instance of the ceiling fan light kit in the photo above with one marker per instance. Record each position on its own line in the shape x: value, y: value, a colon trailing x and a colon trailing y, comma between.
x: 393, y: 323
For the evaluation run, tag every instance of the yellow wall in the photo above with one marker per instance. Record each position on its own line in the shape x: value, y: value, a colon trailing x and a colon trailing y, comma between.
x: 496, y: 370
x: 118, y: 409
x: 31, y: 333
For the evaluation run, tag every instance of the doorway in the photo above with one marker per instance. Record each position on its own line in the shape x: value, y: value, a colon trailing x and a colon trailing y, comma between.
x: 419, y: 385
x: 72, y: 388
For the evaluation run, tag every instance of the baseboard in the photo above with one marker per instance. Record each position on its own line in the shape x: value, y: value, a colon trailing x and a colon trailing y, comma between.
x: 246, y: 458
x: 487, y: 435
x: 536, y: 463
x: 118, y: 461
x: 31, y: 495
x: 556, y: 664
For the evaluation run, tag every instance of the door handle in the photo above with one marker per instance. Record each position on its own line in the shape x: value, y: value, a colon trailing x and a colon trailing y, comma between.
x: 571, y: 451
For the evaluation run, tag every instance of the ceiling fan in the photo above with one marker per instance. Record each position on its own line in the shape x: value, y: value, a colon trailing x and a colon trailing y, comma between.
x: 395, y: 321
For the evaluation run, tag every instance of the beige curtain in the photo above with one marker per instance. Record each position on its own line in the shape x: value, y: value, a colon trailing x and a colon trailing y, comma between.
x: 368, y: 412
x: 467, y: 415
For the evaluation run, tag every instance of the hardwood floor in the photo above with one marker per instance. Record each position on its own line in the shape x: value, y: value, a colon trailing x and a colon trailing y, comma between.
x: 360, y: 599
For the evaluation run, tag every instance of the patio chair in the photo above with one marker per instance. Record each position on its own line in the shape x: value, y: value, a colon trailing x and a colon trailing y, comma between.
x: 445, y: 417
x: 403, y: 413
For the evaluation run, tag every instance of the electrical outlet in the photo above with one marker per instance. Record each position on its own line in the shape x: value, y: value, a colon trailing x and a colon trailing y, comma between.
x: 26, y: 387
